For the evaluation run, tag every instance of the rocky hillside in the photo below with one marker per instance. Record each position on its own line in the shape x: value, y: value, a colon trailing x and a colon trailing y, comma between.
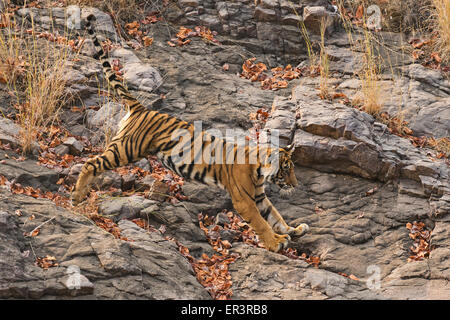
x: 375, y: 185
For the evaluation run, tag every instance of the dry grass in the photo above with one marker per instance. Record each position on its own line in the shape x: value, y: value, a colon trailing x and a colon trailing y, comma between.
x: 370, y: 98
x: 324, y: 64
x: 372, y: 91
x: 44, y: 96
x: 33, y: 69
x: 440, y: 23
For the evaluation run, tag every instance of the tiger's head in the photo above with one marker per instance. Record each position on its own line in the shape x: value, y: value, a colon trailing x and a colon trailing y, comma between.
x: 285, y: 176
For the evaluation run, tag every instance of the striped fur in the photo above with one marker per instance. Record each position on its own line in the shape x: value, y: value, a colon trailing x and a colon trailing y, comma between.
x: 143, y: 132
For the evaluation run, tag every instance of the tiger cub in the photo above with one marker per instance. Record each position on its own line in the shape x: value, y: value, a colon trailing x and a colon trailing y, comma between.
x: 143, y: 132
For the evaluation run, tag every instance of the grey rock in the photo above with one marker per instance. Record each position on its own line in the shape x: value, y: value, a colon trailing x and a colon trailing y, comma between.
x: 28, y: 173
x: 9, y: 132
x: 8, y: 127
x: 124, y: 207
x: 107, y: 117
x: 315, y: 16
x: 75, y: 146
x: 266, y: 15
x: 144, y: 164
x: 128, y: 181
x: 290, y: 279
x: 106, y: 180
x: 92, y: 263
x: 104, y: 24
x: 354, y: 143
x: 188, y: 3
x: 62, y: 150
x: 146, y: 182
x: 137, y: 74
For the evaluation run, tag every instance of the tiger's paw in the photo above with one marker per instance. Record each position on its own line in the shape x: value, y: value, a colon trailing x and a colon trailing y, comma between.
x: 77, y: 197
x: 276, y: 242
x: 299, y: 230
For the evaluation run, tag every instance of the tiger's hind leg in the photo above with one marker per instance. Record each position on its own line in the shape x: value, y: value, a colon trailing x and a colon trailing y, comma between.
x: 113, y: 157
x: 274, y: 218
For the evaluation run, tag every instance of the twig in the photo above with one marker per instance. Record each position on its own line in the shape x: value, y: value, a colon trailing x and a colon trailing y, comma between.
x: 31, y: 246
x: 39, y: 226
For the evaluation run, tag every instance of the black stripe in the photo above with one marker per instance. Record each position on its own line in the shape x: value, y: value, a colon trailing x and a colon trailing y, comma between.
x: 169, y: 145
x: 214, y: 175
x: 260, y: 198
x: 112, y: 77
x: 144, y: 134
x: 171, y: 164
x: 205, y: 171
x: 109, y: 167
x: 189, y: 170
x: 181, y: 168
x: 265, y: 214
x: 95, y: 169
x: 128, y: 149
x: 115, y: 153
x: 248, y: 194
x: 258, y: 172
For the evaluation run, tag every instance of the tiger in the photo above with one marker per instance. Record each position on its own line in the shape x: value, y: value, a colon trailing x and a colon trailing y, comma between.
x: 144, y: 132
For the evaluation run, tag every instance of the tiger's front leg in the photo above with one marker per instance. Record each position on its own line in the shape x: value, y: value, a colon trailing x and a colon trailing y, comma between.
x: 246, y: 207
x: 274, y: 218
x: 112, y: 158
x: 276, y: 221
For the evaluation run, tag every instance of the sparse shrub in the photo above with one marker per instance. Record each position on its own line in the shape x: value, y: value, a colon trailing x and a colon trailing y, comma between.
x: 324, y: 65
x: 440, y: 23
x: 33, y: 69
x: 369, y: 76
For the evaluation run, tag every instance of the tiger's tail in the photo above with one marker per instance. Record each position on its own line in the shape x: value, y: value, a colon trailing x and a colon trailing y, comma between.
x: 129, y: 100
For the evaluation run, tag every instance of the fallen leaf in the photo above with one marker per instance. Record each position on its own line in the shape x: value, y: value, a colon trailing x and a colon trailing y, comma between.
x: 46, y: 262
x: 353, y: 277
x: 147, y: 41
x: 35, y: 232
x: 359, y: 12
x: 436, y: 57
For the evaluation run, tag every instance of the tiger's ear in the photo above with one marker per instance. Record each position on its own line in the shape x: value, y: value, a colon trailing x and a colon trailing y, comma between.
x: 290, y: 148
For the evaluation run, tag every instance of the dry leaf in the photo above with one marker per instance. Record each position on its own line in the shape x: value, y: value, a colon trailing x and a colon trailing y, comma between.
x: 359, y: 12
x: 436, y: 57
x: 147, y: 41
x: 353, y: 277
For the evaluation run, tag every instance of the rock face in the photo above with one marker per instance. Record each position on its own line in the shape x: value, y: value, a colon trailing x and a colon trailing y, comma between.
x: 359, y: 185
x: 92, y: 263
x: 292, y: 280
x: 270, y: 26
x: 9, y: 132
